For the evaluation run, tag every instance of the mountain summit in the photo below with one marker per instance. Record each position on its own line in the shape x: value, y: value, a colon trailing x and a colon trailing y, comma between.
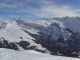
x: 57, y: 36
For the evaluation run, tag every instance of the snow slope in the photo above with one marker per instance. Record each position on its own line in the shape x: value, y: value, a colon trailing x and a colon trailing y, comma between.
x: 8, y: 54
x: 56, y: 35
x: 11, y: 32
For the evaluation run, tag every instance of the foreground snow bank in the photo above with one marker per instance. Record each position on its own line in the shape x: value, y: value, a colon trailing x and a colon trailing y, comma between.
x: 8, y: 54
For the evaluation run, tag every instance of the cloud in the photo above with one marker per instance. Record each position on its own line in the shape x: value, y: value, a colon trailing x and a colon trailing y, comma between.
x: 47, y: 11
x: 12, y: 4
x: 50, y: 9
x: 38, y: 8
x: 78, y: 10
x: 14, y: 16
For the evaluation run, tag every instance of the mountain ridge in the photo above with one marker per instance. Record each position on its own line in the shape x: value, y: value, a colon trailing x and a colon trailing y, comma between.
x: 57, y: 36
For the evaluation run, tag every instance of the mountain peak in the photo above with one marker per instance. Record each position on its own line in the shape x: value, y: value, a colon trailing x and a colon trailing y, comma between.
x: 16, y: 19
x: 57, y: 36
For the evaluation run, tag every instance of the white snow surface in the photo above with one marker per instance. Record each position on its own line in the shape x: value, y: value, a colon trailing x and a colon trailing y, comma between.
x: 12, y: 31
x: 8, y: 54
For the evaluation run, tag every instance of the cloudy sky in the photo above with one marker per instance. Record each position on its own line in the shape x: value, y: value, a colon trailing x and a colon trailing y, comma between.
x: 32, y: 9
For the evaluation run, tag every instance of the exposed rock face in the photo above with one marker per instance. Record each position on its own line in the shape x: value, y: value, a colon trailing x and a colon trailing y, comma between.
x: 6, y: 44
x: 24, y: 44
x: 60, y: 46
x: 45, y: 35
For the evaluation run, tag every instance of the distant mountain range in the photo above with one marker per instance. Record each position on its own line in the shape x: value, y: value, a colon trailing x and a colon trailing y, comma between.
x: 56, y: 36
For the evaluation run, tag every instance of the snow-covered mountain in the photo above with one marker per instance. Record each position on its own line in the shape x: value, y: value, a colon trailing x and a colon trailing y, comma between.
x: 59, y: 36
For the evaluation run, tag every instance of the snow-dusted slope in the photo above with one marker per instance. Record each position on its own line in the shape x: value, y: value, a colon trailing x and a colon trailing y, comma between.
x: 73, y: 23
x: 7, y: 54
x: 59, y: 36
x: 13, y: 33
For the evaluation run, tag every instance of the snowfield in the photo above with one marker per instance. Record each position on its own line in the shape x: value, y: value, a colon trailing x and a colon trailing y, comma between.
x: 56, y: 36
x: 8, y: 54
